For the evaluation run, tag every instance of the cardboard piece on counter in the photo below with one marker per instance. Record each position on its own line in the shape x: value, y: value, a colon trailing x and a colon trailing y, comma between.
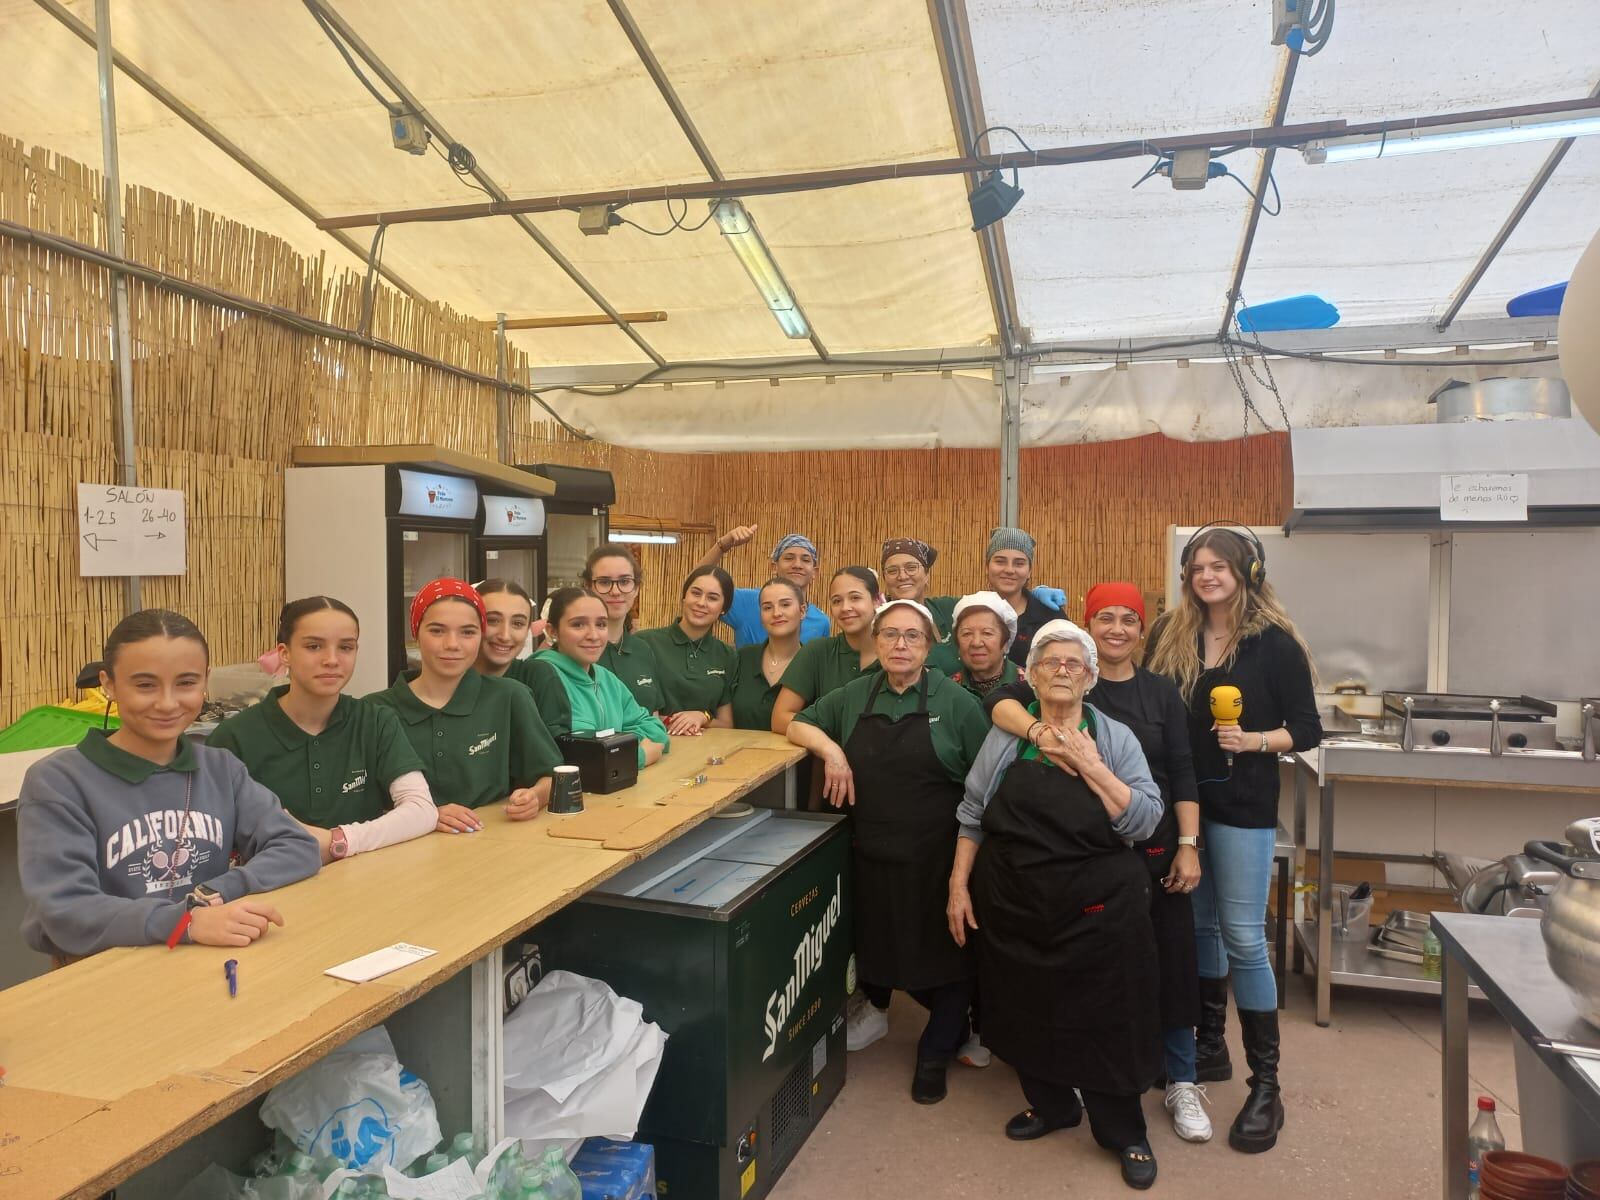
x: 655, y: 825
x: 27, y: 1115
x: 596, y: 824
x: 699, y: 795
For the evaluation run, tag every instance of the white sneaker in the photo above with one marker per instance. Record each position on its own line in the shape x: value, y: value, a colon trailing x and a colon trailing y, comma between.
x: 974, y: 1053
x: 865, y: 1026
x: 1189, y: 1118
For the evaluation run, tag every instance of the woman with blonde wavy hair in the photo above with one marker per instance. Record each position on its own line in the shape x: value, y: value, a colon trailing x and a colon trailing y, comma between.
x: 1229, y: 629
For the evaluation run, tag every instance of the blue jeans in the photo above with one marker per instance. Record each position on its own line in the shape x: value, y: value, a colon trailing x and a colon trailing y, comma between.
x: 1230, y: 912
x: 1179, y: 1048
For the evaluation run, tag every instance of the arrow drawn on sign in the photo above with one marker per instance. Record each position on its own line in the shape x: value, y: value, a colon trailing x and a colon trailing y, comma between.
x: 157, y: 536
x: 96, y: 540
x: 686, y: 886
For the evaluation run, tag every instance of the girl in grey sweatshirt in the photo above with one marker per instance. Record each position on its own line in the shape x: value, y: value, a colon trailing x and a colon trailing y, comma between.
x: 127, y: 838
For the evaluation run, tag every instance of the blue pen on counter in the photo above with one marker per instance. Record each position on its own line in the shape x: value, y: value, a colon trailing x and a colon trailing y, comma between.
x: 231, y: 970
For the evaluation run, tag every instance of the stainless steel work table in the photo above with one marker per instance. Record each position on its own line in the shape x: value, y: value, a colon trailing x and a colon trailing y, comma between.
x: 1340, y: 761
x: 1505, y: 957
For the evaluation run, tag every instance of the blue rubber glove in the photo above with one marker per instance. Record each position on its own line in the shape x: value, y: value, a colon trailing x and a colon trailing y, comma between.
x: 1052, y: 597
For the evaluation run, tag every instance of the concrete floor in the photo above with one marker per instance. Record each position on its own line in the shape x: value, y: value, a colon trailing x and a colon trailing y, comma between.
x: 1363, y: 1119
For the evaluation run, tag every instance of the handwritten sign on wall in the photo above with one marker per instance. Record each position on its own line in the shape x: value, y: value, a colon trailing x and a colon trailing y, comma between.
x: 131, y: 531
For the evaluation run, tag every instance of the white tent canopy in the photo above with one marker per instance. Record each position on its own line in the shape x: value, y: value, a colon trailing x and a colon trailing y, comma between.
x: 559, y: 99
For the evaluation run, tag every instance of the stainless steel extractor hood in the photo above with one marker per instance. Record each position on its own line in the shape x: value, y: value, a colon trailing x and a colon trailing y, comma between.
x: 1388, y: 476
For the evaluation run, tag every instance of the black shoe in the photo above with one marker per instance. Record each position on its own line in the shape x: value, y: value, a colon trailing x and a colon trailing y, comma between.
x: 1139, y: 1166
x: 1211, y: 1063
x: 927, y: 1085
x: 1256, y: 1127
x: 1028, y: 1124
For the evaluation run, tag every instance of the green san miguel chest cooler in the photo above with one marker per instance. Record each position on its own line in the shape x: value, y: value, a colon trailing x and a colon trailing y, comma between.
x: 736, y: 940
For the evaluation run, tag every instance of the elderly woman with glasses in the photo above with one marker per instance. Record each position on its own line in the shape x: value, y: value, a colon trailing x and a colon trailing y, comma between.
x: 1060, y: 903
x: 896, y: 746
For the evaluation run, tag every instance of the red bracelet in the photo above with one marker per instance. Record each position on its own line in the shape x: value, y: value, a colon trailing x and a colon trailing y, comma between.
x: 179, y: 930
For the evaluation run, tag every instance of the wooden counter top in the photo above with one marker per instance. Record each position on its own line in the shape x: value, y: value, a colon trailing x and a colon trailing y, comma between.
x: 119, y: 1058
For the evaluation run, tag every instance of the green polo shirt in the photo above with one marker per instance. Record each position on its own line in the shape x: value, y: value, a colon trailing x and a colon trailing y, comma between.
x: 131, y: 768
x: 823, y: 666
x: 956, y: 723
x: 753, y: 696
x: 943, y: 609
x: 340, y: 776
x: 634, y: 662
x: 693, y: 675
x: 484, y: 744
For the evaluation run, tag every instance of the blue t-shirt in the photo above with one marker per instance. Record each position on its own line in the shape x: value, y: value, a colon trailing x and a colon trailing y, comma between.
x: 744, y: 616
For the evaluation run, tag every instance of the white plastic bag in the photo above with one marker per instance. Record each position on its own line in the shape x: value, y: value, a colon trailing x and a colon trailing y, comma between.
x: 359, y: 1106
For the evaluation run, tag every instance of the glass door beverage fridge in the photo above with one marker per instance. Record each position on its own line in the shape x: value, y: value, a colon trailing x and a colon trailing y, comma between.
x: 375, y: 525
x: 577, y: 519
x: 511, y: 543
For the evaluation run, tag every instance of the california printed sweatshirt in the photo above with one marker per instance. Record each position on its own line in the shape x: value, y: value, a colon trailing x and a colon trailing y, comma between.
x: 109, y: 845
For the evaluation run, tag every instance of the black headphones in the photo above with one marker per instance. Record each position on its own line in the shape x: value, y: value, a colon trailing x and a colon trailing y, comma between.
x: 1255, y: 571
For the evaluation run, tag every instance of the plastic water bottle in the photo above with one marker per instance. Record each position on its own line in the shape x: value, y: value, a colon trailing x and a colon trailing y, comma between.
x: 1483, y: 1137
x: 561, y: 1183
x: 437, y: 1161
x: 464, y: 1145
x: 533, y: 1184
x: 1432, y: 954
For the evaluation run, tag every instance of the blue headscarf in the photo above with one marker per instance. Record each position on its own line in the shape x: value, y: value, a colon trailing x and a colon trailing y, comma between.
x: 795, y: 539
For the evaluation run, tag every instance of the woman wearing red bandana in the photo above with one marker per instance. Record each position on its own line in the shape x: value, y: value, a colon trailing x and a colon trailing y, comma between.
x: 479, y: 736
x: 1152, y: 707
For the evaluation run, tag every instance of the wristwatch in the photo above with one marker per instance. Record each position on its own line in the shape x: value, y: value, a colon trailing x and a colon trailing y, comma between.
x: 338, y: 844
x: 203, y: 897
x: 1186, y: 839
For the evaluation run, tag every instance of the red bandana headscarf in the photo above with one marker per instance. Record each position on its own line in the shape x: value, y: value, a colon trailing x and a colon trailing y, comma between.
x: 444, y: 589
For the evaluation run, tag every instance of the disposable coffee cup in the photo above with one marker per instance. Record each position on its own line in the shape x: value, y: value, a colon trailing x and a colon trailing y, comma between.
x: 566, y: 793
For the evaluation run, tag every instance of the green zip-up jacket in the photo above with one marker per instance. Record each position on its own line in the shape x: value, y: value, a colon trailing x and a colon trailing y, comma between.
x: 572, y: 699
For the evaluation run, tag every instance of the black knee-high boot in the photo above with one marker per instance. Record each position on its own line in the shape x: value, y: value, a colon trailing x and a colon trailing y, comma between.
x: 1211, y: 1047
x: 1256, y: 1127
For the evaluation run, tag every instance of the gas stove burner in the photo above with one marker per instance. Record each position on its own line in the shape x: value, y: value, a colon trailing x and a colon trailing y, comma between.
x: 1492, y: 723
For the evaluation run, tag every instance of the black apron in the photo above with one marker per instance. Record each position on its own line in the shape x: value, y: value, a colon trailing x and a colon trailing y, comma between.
x: 1066, y: 954
x: 904, y: 832
x: 1172, y: 914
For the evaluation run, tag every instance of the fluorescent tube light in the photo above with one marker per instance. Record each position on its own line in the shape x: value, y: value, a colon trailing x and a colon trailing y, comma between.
x: 1469, y: 135
x: 739, y: 228
x: 644, y: 539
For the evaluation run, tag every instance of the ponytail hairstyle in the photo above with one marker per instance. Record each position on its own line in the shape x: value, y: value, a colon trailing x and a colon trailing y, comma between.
x: 615, y: 550
x: 1174, y: 644
x: 491, y: 587
x: 780, y: 581
x: 556, y: 605
x: 868, y: 579
x: 150, y: 623
x: 724, y: 581
x: 291, y: 613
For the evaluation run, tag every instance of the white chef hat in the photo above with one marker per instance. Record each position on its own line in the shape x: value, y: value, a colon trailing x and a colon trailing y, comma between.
x: 994, y: 602
x: 1065, y: 631
x: 922, y: 610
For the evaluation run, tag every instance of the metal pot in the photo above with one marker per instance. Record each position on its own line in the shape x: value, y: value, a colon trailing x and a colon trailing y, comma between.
x: 1571, y: 922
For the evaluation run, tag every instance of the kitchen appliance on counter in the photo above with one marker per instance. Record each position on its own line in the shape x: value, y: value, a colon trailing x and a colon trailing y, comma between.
x: 1514, y: 886
x: 1492, y: 723
x: 1571, y: 924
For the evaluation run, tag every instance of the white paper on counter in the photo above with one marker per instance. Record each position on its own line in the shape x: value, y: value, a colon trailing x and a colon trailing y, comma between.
x: 380, y: 962
x: 580, y: 1061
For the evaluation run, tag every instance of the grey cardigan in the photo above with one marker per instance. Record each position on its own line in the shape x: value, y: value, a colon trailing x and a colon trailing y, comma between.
x: 1120, y: 751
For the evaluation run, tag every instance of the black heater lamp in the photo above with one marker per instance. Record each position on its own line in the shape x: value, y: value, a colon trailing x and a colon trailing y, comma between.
x: 992, y: 199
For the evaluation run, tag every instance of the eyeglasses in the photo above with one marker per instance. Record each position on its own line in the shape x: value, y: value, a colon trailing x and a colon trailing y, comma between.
x: 911, y: 637
x: 1070, y: 667
x: 903, y: 572
x: 626, y: 584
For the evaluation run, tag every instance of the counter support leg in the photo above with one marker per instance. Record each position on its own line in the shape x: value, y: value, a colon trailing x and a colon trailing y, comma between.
x: 488, y: 1051
x: 1325, y: 904
x: 1299, y: 869
x: 1453, y: 1066
x: 791, y: 798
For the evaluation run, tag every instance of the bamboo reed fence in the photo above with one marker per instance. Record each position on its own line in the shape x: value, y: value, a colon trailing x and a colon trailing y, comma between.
x: 221, y: 399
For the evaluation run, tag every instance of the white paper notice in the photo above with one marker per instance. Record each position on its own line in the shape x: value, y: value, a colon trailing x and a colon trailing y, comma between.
x: 130, y: 531
x: 1483, y: 497
x: 380, y: 962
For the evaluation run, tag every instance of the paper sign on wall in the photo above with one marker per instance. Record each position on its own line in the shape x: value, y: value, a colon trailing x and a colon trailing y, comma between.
x: 1483, y: 497
x: 131, y: 531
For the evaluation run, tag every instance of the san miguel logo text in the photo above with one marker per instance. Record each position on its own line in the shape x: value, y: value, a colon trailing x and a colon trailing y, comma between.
x: 807, y: 958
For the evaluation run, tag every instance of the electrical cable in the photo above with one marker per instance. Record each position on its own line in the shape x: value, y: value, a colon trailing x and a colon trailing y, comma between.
x: 676, y: 219
x: 1248, y: 191
x: 394, y: 107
